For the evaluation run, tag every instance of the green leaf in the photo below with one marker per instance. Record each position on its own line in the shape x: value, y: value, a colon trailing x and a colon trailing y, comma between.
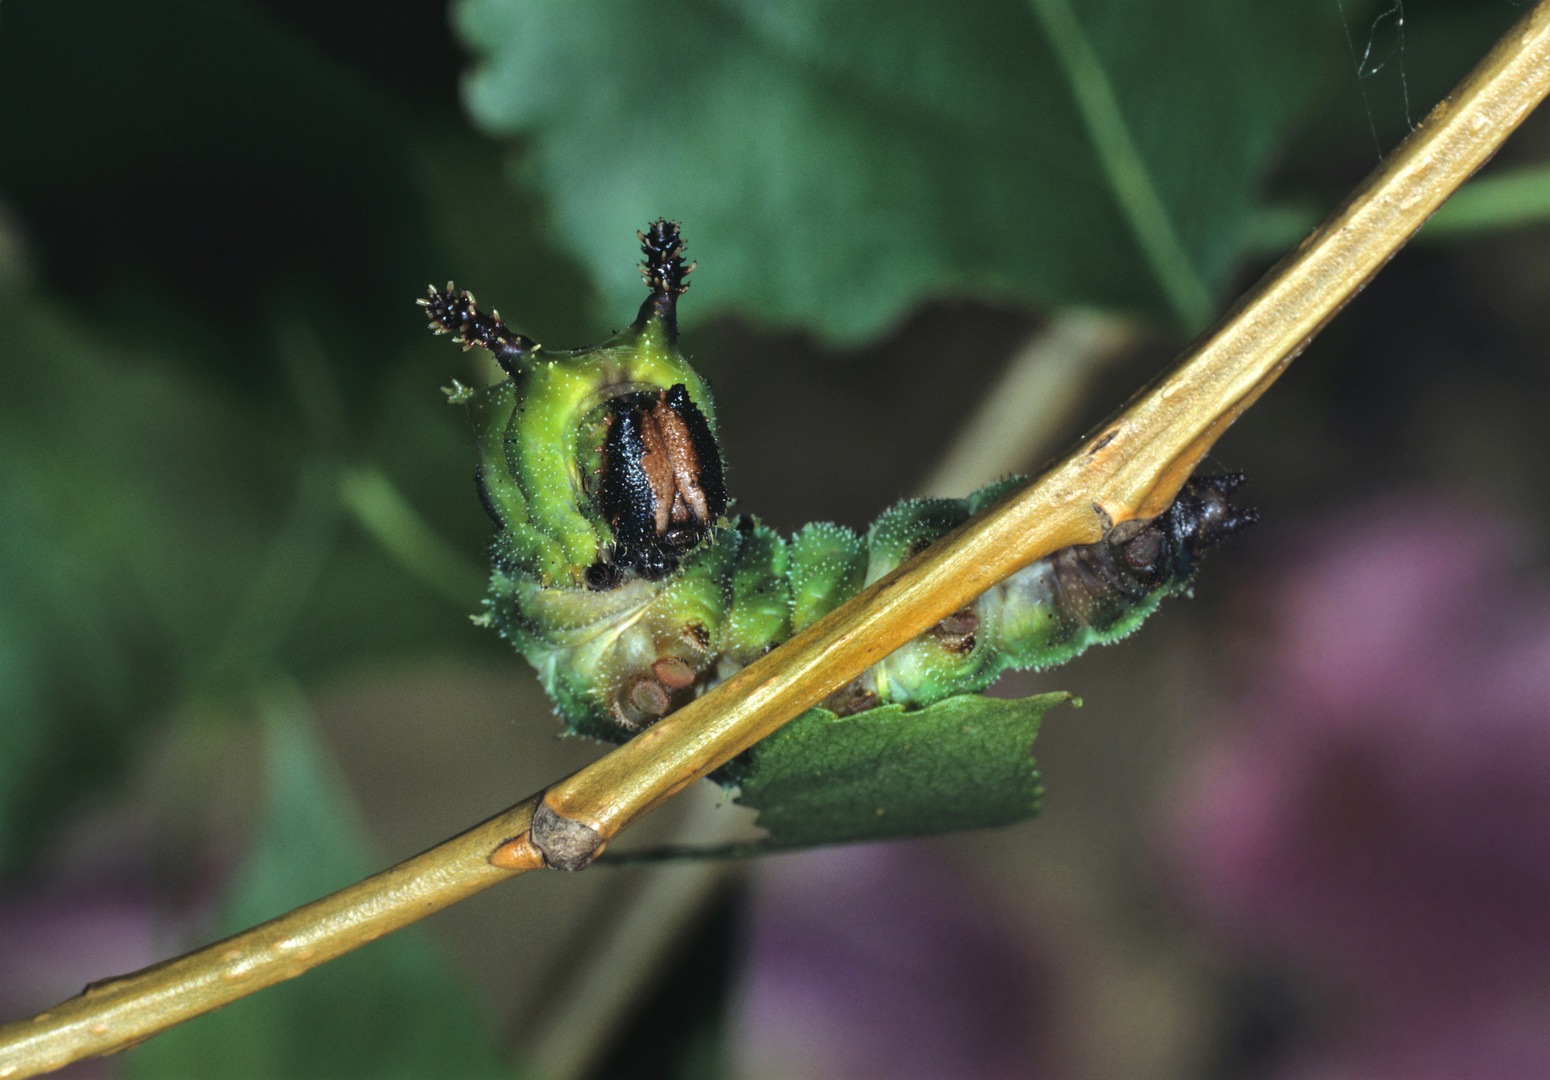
x: 963, y: 763
x: 134, y: 511
x: 1494, y: 202
x: 200, y: 168
x: 389, y: 1010
x: 833, y: 164
x: 164, y: 541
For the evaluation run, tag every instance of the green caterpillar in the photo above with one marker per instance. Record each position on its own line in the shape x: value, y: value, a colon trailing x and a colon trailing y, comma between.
x: 620, y: 575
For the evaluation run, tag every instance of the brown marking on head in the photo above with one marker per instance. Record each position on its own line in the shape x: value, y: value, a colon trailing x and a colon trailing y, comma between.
x: 655, y: 465
x: 672, y: 467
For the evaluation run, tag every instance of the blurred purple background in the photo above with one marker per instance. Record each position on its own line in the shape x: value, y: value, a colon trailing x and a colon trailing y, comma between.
x: 1366, y: 818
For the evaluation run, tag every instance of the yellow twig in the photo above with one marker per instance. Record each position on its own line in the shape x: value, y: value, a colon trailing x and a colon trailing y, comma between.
x: 1129, y: 468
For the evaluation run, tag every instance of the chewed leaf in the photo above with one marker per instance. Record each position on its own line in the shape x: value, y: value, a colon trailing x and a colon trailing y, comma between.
x: 963, y: 763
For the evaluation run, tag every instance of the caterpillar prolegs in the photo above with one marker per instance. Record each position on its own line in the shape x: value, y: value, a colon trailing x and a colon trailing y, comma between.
x: 620, y: 575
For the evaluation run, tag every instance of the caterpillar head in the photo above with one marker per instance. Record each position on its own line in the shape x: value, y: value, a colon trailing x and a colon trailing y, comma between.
x: 660, y: 487
x: 599, y: 464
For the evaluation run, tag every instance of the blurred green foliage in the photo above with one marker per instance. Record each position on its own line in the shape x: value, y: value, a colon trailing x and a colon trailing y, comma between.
x: 963, y: 763
x: 388, y: 1010
x: 840, y: 162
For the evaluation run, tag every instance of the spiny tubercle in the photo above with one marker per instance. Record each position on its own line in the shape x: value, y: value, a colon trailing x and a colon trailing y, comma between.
x: 454, y: 311
x: 664, y: 273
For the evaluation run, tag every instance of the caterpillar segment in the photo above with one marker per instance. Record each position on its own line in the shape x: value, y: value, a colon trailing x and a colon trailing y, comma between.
x: 619, y: 574
x: 1052, y: 609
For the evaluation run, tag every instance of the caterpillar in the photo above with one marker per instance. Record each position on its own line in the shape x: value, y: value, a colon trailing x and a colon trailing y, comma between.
x: 621, y: 574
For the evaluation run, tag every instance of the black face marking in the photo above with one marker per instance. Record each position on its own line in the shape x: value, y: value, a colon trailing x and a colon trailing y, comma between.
x: 661, y: 489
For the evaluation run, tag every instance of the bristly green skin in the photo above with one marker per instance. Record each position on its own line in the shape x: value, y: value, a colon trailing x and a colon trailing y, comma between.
x: 616, y: 649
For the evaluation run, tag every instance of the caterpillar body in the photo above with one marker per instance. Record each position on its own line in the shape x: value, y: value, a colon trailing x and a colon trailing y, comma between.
x: 619, y: 573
